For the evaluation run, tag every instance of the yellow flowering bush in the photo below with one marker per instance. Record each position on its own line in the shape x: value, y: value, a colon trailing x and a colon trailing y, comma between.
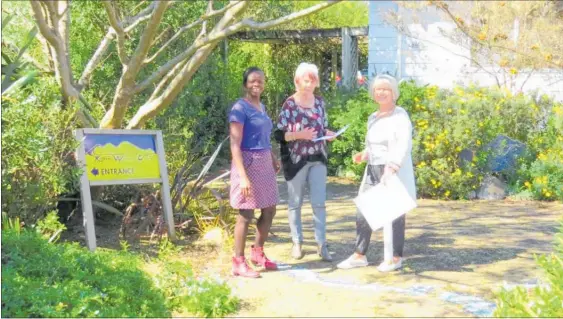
x: 464, y: 120
x: 447, y: 122
x: 543, y: 175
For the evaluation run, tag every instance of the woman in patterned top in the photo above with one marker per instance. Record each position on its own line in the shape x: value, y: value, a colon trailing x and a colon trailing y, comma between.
x: 253, y: 173
x: 303, y: 119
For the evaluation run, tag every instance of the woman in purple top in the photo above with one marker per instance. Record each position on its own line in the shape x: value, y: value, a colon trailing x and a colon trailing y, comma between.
x: 253, y: 173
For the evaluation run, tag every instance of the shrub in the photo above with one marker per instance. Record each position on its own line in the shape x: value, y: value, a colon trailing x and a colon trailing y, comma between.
x: 447, y: 122
x: 543, y: 174
x: 37, y: 147
x: 543, y: 301
x: 201, y: 296
x: 350, y: 110
x: 65, y: 280
x: 49, y: 280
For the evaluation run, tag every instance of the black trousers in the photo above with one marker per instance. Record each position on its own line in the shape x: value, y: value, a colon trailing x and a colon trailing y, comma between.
x: 363, y: 230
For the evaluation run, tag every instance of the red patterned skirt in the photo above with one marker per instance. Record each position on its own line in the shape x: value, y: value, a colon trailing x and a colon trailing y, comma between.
x: 263, y: 184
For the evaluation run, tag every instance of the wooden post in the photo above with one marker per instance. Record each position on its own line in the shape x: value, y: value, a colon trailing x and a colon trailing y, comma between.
x: 335, y: 72
x: 349, y: 58
x: 85, y: 196
x: 166, y: 200
x: 347, y: 75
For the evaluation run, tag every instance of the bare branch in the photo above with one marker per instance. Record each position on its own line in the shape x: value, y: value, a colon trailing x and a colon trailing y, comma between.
x: 137, y: 6
x: 220, y: 33
x: 96, y: 58
x: 112, y: 15
x: 210, y: 7
x: 183, y: 29
x: 158, y: 37
x: 527, y: 78
x: 147, y: 37
x: 296, y: 15
x: 106, y: 41
x: 46, y: 31
x: 142, y: 16
x: 52, y: 13
x: 152, y: 108
x: 116, y: 25
x: 444, y: 7
x: 165, y: 80
x: 204, y: 47
x: 63, y: 13
x: 124, y: 92
x: 470, y: 57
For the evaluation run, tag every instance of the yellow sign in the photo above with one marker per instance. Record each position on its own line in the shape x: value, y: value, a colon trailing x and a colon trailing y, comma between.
x: 121, y: 157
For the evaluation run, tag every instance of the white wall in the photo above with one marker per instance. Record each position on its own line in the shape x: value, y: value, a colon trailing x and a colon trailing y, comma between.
x: 431, y: 58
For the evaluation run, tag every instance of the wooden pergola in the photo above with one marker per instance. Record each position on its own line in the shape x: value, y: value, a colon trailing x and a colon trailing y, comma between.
x: 349, y: 39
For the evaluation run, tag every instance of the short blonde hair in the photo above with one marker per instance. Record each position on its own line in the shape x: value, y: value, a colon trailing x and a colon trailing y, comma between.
x: 305, y: 69
x: 387, y: 79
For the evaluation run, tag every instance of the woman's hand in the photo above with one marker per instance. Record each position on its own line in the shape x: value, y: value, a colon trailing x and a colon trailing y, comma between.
x: 389, y: 170
x: 330, y: 134
x: 244, y: 186
x: 276, y: 164
x: 358, y: 157
x: 306, y: 134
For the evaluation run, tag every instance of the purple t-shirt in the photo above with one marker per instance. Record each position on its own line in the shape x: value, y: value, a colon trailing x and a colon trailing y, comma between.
x: 257, y: 126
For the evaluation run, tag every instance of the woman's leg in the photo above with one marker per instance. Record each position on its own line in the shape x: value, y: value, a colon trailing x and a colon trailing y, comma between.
x: 241, y: 230
x: 399, y: 236
x: 363, y: 234
x: 317, y: 189
x: 263, y: 228
x: 263, y: 225
x: 363, y: 230
x: 295, y: 188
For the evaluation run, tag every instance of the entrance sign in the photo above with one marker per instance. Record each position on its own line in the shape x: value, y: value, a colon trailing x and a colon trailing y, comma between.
x: 121, y: 157
x: 118, y: 157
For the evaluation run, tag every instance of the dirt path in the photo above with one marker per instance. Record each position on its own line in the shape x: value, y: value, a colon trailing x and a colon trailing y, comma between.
x: 456, y: 254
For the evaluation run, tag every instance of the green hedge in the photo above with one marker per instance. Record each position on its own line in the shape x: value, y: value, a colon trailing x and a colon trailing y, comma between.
x: 446, y: 122
x: 40, y: 279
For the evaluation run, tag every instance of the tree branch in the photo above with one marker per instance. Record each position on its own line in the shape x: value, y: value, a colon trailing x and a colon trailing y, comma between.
x: 153, y: 107
x: 59, y: 52
x: 96, y: 58
x: 206, y: 16
x: 64, y: 21
x: 124, y: 92
x: 248, y: 23
x: 118, y: 28
x: 217, y: 34
x: 526, y: 80
x: 142, y: 16
x: 470, y: 58
x: 203, y: 48
x: 444, y: 7
x: 165, y: 80
x: 46, y: 31
x: 106, y: 41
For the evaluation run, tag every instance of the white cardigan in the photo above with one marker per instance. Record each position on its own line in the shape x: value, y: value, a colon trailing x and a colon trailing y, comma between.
x: 389, y: 140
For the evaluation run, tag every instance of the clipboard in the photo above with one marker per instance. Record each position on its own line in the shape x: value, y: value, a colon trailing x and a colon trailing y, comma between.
x: 383, y: 203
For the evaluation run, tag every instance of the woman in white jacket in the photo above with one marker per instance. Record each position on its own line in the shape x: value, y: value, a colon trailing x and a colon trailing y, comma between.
x: 388, y: 152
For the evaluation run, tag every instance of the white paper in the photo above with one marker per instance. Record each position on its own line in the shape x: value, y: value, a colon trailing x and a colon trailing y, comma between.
x: 383, y: 203
x: 342, y: 130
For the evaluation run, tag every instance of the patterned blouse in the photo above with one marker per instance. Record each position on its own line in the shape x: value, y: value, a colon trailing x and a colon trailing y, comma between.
x: 294, y: 118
